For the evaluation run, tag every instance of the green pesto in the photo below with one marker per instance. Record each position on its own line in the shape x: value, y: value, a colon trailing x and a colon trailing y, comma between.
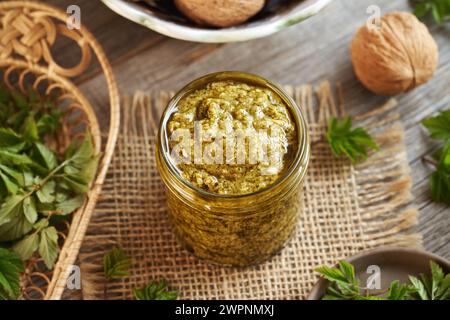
x: 231, y: 106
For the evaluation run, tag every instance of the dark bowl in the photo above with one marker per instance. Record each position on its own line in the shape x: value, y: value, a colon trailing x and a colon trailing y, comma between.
x: 394, y: 263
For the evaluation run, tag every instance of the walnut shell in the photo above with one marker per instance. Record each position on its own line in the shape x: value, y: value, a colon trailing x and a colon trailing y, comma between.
x: 219, y: 13
x: 397, y: 57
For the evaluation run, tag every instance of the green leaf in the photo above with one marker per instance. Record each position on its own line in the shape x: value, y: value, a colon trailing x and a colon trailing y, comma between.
x: 41, y: 224
x: 419, y: 288
x: 28, y: 178
x: 440, y: 179
x: 349, y: 272
x: 30, y: 130
x: 440, y: 288
x: 116, y: 264
x: 437, y: 275
x: 15, y: 229
x: 444, y: 162
x: 8, y: 157
x: 46, y: 194
x: 82, y: 165
x: 29, y: 209
x: 440, y: 186
x: 10, y: 268
x: 369, y: 298
x: 46, y: 157
x: 83, y: 153
x: 443, y: 292
x: 343, y: 140
x: 27, y: 246
x: 437, y: 14
x: 83, y: 162
x: 343, y: 278
x: 4, y: 94
x: 76, y: 183
x: 428, y: 284
x: 440, y: 9
x: 439, y: 126
x: 70, y: 205
x: 12, y: 207
x: 332, y: 297
x: 331, y: 274
x: 16, y: 175
x: 10, y: 186
x: 421, y: 9
x: 19, y: 99
x: 45, y: 209
x: 48, y: 246
x: 398, y: 291
x: 9, y: 138
x: 62, y: 196
x: 49, y: 123
x: 337, y: 294
x: 155, y: 291
x: 89, y: 169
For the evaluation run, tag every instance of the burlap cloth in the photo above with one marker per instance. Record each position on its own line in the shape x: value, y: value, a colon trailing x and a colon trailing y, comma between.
x: 346, y: 209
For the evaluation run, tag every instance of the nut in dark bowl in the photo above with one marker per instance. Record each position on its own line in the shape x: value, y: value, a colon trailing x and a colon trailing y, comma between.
x: 217, y: 21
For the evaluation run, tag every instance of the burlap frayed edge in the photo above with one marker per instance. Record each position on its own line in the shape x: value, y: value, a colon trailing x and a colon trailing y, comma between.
x: 383, y: 180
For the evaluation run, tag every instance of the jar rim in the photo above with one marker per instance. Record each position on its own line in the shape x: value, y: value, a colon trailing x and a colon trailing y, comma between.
x: 302, y: 154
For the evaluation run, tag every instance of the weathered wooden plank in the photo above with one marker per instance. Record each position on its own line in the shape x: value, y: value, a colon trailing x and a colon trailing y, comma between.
x: 118, y: 36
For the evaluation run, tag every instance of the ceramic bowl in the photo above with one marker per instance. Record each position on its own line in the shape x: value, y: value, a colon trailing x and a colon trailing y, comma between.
x: 394, y: 264
x: 162, y: 17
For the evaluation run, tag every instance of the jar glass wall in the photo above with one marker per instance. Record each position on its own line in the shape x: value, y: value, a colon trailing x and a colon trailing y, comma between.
x: 237, y: 230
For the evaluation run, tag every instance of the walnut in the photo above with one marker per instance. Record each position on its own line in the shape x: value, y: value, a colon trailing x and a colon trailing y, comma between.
x: 219, y: 13
x: 396, y: 57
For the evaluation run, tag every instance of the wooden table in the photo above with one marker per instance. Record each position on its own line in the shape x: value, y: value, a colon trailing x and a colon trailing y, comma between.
x: 310, y: 52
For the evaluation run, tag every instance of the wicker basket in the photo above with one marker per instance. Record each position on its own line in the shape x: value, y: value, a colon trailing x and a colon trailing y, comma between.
x: 28, y: 30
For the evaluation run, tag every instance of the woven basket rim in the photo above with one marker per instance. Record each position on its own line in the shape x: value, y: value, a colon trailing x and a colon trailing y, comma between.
x: 81, y: 218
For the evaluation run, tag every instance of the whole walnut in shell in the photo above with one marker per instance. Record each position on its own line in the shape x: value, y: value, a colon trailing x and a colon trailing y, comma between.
x: 219, y: 13
x: 396, y: 57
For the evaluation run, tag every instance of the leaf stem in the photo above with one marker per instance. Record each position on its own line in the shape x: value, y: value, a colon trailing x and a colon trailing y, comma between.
x: 54, y: 171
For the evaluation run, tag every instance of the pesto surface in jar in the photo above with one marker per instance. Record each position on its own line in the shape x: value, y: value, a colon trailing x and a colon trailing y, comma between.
x: 226, y: 111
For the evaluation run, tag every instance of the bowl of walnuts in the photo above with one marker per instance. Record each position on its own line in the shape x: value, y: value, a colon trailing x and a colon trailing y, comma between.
x: 217, y: 21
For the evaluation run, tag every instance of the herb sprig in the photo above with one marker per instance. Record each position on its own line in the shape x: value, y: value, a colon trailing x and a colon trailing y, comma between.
x: 10, y: 269
x: 345, y: 285
x: 155, y: 291
x: 38, y: 185
x: 351, y: 142
x: 116, y: 265
x: 439, y: 9
x: 439, y: 128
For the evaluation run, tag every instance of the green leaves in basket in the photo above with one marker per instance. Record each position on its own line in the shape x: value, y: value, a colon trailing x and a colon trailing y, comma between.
x: 345, y: 286
x: 29, y: 114
x: 116, y: 264
x: 10, y: 268
x: 440, y: 9
x: 345, y: 140
x: 439, y: 128
x: 155, y: 291
x: 37, y: 185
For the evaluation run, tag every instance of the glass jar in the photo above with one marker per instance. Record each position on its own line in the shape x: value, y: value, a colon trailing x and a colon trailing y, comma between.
x: 236, y: 230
